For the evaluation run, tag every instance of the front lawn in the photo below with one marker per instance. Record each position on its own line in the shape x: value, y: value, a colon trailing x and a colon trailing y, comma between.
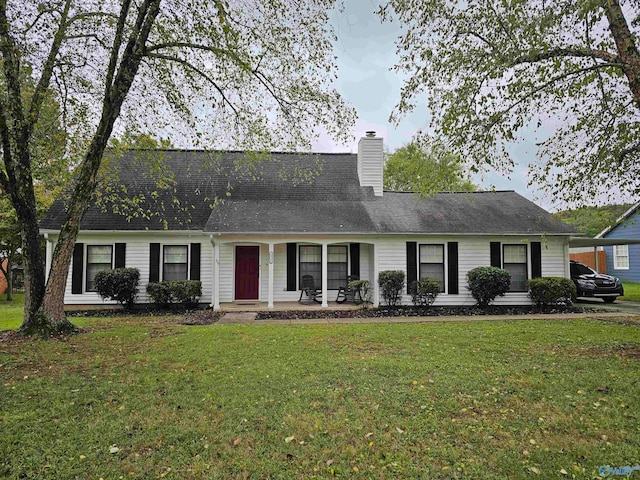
x: 631, y: 291
x: 11, y: 312
x: 513, y: 399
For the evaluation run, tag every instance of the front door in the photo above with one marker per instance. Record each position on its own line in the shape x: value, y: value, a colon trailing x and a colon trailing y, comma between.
x: 247, y: 272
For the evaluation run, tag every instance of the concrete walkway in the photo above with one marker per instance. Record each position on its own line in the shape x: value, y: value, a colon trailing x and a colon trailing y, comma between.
x: 227, y: 319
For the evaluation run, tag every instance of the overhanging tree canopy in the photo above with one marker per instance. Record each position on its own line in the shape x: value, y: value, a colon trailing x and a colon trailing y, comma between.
x: 491, y: 69
x: 254, y: 74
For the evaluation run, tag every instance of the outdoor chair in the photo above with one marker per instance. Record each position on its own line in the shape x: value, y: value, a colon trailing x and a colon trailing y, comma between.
x: 309, y: 289
x: 345, y: 294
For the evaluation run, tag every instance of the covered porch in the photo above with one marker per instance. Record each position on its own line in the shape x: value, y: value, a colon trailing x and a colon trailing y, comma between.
x: 265, y: 272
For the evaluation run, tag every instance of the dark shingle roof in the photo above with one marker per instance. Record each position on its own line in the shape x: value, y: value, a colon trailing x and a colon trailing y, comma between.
x: 302, y: 193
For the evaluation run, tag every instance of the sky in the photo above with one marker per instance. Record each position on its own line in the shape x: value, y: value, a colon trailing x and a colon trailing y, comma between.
x: 365, y: 52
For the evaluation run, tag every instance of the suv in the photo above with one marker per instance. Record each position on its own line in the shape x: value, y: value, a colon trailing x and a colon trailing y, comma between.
x: 590, y: 283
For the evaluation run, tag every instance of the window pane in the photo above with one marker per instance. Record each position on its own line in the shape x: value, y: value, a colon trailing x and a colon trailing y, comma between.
x: 515, y: 254
x: 99, y: 254
x: 336, y: 275
x: 175, y: 254
x: 518, y: 276
x: 621, y: 256
x: 175, y: 271
x: 431, y: 253
x: 433, y: 270
x: 337, y: 254
x: 98, y: 259
x: 313, y: 269
x: 310, y: 253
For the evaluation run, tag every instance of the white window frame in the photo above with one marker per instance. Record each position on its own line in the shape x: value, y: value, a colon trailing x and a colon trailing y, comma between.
x: 443, y: 287
x: 621, y: 252
x: 86, y: 262
x: 162, y: 262
x: 526, y: 263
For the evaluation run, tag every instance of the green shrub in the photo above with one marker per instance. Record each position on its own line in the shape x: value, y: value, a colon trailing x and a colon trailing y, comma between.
x: 424, y: 291
x: 552, y: 291
x: 120, y: 285
x: 391, y: 283
x: 169, y: 292
x: 186, y: 292
x: 364, y: 287
x: 487, y: 283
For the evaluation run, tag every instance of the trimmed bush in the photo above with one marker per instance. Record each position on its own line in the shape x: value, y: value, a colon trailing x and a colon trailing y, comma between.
x: 120, y: 285
x: 364, y: 287
x: 424, y: 291
x: 170, y: 292
x: 391, y: 283
x: 487, y: 283
x: 552, y: 291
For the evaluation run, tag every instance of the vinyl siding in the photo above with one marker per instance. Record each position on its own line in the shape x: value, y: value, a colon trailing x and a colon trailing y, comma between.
x: 630, y: 228
x: 473, y: 251
x: 137, y: 256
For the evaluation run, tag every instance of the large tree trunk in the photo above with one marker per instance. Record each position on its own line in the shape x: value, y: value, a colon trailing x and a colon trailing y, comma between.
x: 115, y: 93
x: 625, y: 44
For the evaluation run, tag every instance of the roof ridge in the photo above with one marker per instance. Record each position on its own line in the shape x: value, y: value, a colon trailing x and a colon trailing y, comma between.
x: 203, y: 150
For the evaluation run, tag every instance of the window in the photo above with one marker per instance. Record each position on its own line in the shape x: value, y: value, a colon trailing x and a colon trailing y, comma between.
x: 432, y: 263
x: 174, y: 265
x: 98, y: 259
x: 515, y: 262
x: 621, y: 257
x: 336, y: 267
x: 311, y: 263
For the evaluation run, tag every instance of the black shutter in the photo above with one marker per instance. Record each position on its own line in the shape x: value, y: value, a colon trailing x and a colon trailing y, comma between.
x: 452, y: 267
x: 496, y: 256
x: 77, y: 269
x: 354, y: 255
x: 154, y: 262
x: 291, y: 267
x: 536, y: 259
x: 412, y: 263
x: 121, y: 249
x: 194, y: 266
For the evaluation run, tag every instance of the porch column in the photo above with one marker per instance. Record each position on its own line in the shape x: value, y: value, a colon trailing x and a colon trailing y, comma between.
x: 216, y: 276
x: 595, y: 259
x: 49, y: 255
x: 271, y: 260
x: 325, y: 292
x: 376, y: 287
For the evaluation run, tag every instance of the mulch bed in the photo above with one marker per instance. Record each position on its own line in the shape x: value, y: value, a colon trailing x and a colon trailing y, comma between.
x: 411, y: 311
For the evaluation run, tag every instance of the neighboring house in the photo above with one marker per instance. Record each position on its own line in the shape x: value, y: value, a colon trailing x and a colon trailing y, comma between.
x: 250, y: 231
x: 623, y: 261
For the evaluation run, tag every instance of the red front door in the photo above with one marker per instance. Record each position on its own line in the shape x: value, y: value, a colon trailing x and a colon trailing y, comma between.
x: 247, y: 273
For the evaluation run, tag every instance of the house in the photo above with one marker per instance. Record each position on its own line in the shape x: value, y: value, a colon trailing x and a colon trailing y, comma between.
x: 623, y: 260
x: 250, y: 230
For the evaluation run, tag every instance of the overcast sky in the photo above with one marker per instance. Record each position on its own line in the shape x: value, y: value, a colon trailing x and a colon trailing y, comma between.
x: 366, y: 51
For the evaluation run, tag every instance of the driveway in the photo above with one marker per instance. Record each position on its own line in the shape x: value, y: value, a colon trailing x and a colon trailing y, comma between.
x: 617, y: 306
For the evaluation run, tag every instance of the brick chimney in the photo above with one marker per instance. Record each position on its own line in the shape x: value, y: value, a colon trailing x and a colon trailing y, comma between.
x: 371, y: 162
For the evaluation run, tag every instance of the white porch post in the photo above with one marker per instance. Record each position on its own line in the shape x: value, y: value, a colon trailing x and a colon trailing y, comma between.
x: 49, y: 255
x: 216, y: 276
x: 595, y: 259
x: 271, y: 260
x: 376, y: 287
x: 325, y: 292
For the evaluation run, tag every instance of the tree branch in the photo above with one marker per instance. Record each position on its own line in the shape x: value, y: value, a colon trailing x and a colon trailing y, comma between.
x: 115, y: 49
x: 199, y: 72
x: 47, y: 69
x: 576, y: 52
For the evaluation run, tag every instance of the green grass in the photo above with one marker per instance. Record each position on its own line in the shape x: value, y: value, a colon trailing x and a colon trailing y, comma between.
x: 631, y: 291
x: 520, y: 399
x: 11, y: 312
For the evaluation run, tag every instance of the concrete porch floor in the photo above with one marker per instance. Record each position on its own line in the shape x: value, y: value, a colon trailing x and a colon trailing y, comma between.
x: 280, y: 306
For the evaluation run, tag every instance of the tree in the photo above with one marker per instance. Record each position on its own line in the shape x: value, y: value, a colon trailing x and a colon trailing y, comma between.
x: 251, y: 74
x: 493, y: 70
x: 426, y: 167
